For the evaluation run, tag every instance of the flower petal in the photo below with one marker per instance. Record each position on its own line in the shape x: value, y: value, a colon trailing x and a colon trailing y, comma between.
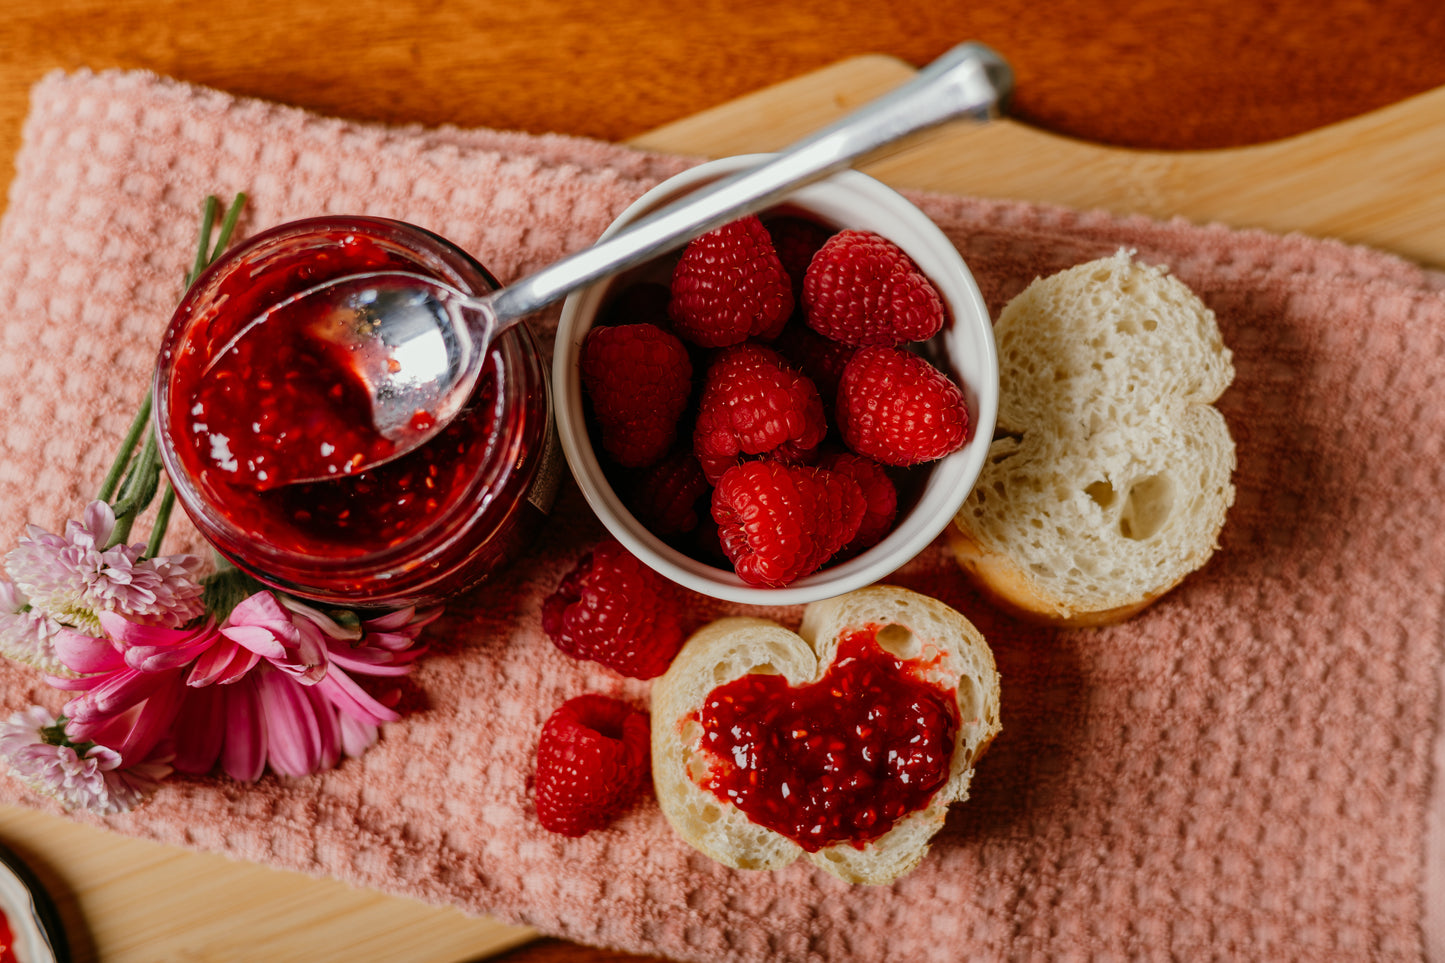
x: 222, y: 664
x: 200, y: 730
x: 293, y: 737
x: 309, y: 663
x: 187, y: 646
x: 329, y: 727
x: 369, y: 662
x: 352, y: 700
x: 99, y: 521
x: 259, y: 609
x: 261, y: 640
x: 356, y: 736
x: 86, y: 654
x: 243, y: 754
x: 320, y: 619
x: 134, y: 732
x: 116, y: 693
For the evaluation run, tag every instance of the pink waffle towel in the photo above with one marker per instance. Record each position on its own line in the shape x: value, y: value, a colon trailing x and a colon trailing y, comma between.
x: 1248, y: 770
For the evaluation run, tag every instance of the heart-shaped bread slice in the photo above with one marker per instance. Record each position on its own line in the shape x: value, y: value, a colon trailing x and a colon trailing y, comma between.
x: 845, y: 741
x: 1109, y: 476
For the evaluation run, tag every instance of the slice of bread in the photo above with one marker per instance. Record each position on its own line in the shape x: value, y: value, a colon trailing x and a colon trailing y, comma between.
x: 910, y: 626
x: 1110, y: 473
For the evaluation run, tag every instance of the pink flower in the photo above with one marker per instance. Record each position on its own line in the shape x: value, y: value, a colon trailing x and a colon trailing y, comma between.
x: 74, y: 577
x: 271, y: 685
x: 268, y: 713
x: 130, y: 681
x: 25, y: 634
x: 82, y: 776
x: 259, y: 628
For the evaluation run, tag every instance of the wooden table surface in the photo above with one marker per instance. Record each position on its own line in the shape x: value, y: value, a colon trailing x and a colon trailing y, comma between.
x: 1165, y: 74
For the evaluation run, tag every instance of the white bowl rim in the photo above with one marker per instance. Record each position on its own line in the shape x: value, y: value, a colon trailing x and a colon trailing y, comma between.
x: 913, y: 532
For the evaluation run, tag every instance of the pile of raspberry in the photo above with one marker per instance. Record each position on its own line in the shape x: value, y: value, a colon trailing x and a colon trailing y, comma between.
x: 758, y: 410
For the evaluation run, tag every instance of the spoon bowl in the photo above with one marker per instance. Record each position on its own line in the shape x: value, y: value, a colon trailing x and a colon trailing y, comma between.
x: 408, y: 340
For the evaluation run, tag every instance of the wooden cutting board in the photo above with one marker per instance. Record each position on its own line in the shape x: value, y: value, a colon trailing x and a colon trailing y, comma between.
x: 1375, y: 180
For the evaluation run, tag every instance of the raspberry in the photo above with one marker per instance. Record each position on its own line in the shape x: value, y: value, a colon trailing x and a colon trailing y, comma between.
x: 862, y: 289
x: 753, y: 403
x: 896, y: 408
x: 819, y: 358
x: 638, y: 377
x: 614, y: 610
x: 730, y: 286
x: 797, y: 239
x: 778, y: 523
x: 666, y: 498
x: 593, y: 758
x: 880, y: 497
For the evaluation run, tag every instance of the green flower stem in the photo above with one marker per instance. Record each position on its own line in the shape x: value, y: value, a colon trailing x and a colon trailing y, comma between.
x: 138, y: 490
x: 163, y: 521
x: 228, y: 227
x: 127, y: 451
x: 203, y: 257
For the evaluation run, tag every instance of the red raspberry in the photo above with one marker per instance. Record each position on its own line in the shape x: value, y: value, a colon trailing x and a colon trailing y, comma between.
x: 666, y: 498
x: 861, y: 289
x: 880, y: 496
x: 797, y: 239
x: 614, y: 610
x: 896, y: 408
x: 778, y: 523
x: 817, y: 357
x: 638, y: 378
x: 593, y: 758
x: 753, y: 403
x: 730, y: 286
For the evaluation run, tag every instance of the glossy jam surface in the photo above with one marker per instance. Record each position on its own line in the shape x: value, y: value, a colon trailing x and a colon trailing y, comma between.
x: 285, y: 402
x: 839, y: 760
x: 415, y: 528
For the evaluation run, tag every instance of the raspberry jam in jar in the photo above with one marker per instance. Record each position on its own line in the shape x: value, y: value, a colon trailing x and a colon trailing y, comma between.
x: 841, y: 760
x: 417, y: 529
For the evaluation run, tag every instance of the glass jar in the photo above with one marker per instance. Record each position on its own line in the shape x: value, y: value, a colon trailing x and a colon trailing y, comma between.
x: 415, y: 530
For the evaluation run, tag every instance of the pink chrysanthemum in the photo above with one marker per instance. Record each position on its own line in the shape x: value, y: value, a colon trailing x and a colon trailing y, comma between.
x: 84, y: 776
x: 74, y: 577
x: 27, y: 635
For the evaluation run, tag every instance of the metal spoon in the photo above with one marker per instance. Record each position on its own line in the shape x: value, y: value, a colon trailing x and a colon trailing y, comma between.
x: 419, y: 344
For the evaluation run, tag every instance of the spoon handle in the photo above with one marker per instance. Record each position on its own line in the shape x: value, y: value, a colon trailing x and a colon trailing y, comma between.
x: 970, y: 79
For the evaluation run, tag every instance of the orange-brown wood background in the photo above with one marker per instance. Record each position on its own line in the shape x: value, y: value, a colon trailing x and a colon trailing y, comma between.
x: 1163, y: 74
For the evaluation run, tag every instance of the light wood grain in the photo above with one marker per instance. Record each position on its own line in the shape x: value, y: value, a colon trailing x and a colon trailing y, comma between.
x: 130, y: 900
x: 1375, y: 180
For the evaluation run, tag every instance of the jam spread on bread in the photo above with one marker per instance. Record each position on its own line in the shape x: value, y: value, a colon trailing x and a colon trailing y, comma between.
x: 840, y: 760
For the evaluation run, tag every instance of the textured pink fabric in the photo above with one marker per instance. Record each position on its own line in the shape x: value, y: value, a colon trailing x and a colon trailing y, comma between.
x: 1243, y: 771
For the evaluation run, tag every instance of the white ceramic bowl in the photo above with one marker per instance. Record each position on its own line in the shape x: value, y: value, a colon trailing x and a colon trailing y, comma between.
x: 965, y: 348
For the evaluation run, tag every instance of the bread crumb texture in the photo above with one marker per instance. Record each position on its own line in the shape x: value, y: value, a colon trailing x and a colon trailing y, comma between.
x: 1110, y: 474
